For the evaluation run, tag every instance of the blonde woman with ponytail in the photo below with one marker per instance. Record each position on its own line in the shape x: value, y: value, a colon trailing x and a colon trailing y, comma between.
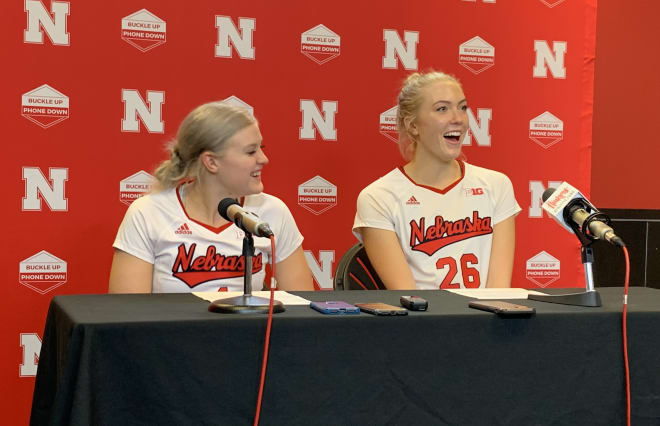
x: 437, y: 222
x: 173, y: 239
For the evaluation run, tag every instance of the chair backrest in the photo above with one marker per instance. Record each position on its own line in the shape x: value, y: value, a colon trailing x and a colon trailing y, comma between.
x: 354, y: 271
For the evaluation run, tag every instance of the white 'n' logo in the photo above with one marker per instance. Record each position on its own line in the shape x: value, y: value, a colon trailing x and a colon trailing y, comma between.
x: 545, y: 59
x: 31, y: 344
x: 479, y: 128
x: 135, y: 106
x: 227, y: 32
x: 36, y: 183
x: 322, y: 272
x: 536, y: 189
x: 324, y: 123
x: 55, y: 25
x: 394, y: 45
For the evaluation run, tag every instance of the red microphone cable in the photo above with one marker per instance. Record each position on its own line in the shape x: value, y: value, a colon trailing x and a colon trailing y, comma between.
x: 625, y: 334
x: 268, y: 325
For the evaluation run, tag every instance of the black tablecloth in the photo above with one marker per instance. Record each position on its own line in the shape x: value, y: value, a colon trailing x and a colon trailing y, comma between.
x: 164, y: 359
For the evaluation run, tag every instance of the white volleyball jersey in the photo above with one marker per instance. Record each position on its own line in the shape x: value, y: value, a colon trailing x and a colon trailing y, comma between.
x: 446, y: 235
x: 190, y: 256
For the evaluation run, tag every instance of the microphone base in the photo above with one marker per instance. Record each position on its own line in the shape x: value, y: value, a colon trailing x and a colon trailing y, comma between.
x: 588, y: 298
x: 245, y: 304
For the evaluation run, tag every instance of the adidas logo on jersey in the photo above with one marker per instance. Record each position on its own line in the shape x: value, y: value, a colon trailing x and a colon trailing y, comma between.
x: 412, y: 201
x: 183, y: 229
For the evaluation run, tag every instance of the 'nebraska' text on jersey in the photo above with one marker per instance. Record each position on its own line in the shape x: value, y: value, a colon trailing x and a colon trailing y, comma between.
x: 445, y: 232
x: 210, y: 266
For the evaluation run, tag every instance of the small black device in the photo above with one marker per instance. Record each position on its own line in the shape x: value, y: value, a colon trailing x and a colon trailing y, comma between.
x: 414, y: 303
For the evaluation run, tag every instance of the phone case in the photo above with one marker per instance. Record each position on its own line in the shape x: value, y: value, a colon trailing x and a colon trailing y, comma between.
x: 501, y: 308
x: 335, y: 308
x: 381, y: 309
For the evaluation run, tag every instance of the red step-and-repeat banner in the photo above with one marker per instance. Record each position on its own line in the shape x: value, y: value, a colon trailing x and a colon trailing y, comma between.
x: 93, y: 91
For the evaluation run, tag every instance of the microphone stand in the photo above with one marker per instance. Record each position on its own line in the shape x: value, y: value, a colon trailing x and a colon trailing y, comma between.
x: 589, y: 298
x: 247, y: 303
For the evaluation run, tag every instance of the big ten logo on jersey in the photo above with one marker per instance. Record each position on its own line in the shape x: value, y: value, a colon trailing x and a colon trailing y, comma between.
x: 238, y: 102
x: 317, y: 195
x: 536, y: 189
x: 320, y: 44
x: 31, y: 346
x: 54, y: 23
x: 143, y: 30
x: 42, y: 272
x: 135, y: 186
x: 135, y: 106
x: 476, y: 54
x: 395, y: 48
x: 45, y: 106
x: 542, y: 269
x: 387, y: 124
x: 551, y: 3
x: 474, y: 191
x: 546, y: 130
x: 479, y: 127
x: 547, y: 59
x: 312, y: 119
x: 52, y: 190
x: 229, y: 35
x: 321, y: 268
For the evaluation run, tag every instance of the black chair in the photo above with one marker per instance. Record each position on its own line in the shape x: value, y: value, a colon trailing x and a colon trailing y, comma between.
x: 354, y: 271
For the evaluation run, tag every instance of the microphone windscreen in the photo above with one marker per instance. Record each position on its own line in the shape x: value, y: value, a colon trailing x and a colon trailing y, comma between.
x: 546, y: 194
x: 224, y: 205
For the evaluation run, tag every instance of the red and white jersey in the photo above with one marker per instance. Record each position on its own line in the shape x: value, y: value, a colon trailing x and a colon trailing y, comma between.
x: 446, y: 235
x: 190, y: 256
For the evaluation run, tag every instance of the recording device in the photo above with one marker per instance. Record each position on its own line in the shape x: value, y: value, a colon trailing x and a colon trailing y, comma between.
x: 247, y: 221
x: 414, y: 303
x: 575, y: 213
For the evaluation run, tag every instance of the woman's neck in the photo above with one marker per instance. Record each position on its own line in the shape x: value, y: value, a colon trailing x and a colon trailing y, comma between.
x: 202, y: 204
x: 436, y: 175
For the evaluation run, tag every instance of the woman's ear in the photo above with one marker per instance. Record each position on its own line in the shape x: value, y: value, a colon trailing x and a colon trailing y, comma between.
x: 411, y: 127
x: 209, y: 161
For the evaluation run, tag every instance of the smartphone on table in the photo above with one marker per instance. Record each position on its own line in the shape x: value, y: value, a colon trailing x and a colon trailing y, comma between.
x: 335, y: 308
x: 381, y: 309
x: 501, y: 308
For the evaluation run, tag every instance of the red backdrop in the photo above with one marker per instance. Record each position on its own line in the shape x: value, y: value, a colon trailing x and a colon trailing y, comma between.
x: 92, y: 93
x: 626, y: 96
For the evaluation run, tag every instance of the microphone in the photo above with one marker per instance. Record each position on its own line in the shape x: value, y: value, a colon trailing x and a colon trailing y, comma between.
x: 247, y: 221
x: 572, y: 210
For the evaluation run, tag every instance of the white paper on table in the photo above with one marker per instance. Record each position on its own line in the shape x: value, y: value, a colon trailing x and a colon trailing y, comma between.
x: 495, y: 293
x: 282, y: 296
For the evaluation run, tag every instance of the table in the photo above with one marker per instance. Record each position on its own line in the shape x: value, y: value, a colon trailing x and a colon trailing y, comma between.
x: 164, y: 359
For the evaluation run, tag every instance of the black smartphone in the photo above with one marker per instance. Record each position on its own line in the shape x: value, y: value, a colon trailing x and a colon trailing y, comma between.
x: 501, y: 308
x: 335, y: 308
